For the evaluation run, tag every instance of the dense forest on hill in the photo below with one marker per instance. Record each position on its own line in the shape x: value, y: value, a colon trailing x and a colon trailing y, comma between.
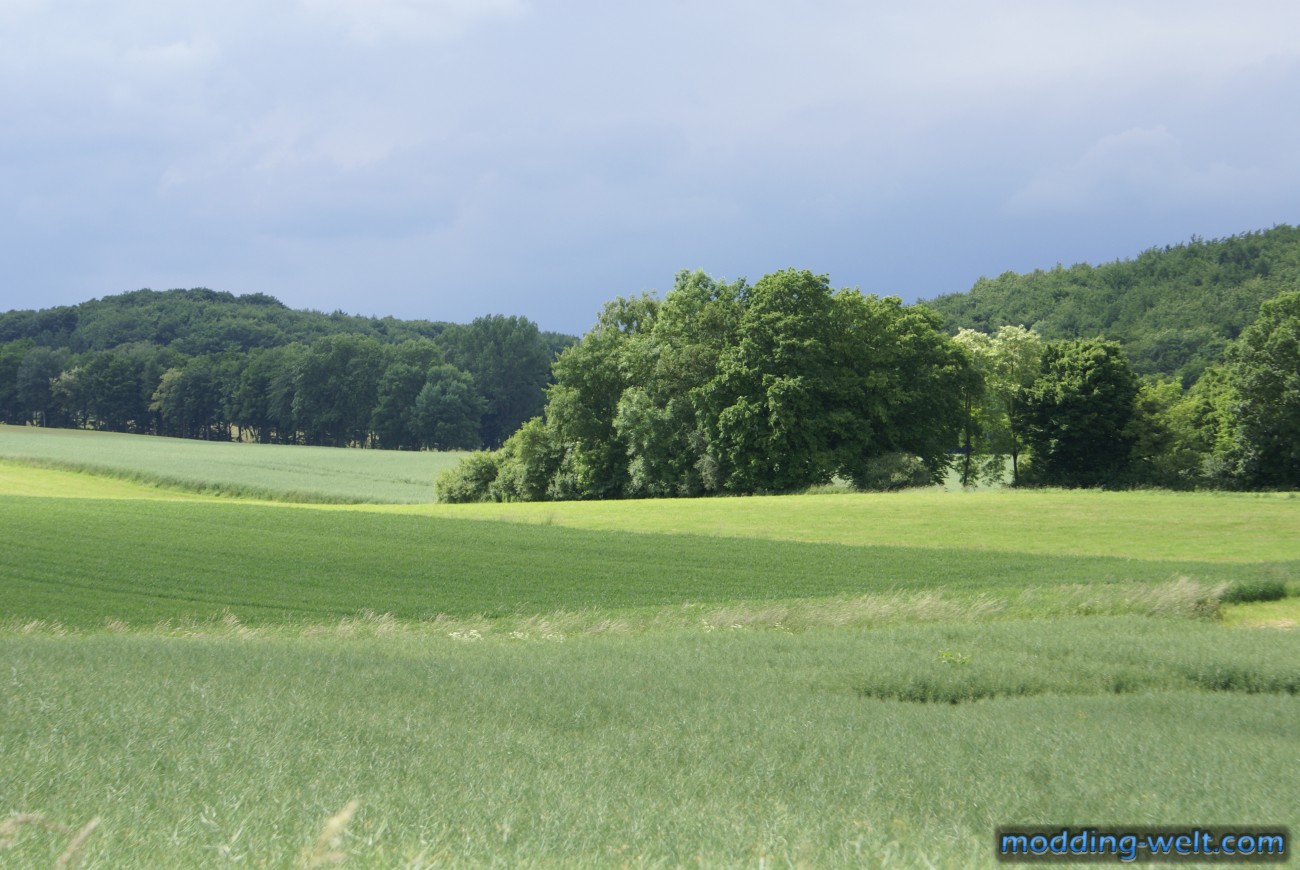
x: 202, y: 321
x: 1173, y: 309
x: 206, y: 364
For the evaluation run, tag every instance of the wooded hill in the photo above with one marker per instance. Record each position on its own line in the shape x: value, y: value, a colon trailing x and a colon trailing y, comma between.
x: 206, y: 364
x: 202, y: 321
x: 1173, y: 309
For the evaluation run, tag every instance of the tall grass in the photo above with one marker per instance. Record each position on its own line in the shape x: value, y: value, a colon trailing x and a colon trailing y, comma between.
x: 725, y: 748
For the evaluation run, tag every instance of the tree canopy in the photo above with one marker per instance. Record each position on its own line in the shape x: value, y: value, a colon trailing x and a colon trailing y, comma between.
x: 738, y: 388
x: 1173, y: 310
x: 203, y: 364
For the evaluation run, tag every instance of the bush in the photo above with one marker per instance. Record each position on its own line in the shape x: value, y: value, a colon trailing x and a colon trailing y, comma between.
x: 469, y: 480
x: 1254, y: 590
x: 526, y: 464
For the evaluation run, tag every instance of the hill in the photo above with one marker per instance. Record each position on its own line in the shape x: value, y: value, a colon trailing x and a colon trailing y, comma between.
x: 202, y: 321
x: 210, y: 365
x: 1174, y: 309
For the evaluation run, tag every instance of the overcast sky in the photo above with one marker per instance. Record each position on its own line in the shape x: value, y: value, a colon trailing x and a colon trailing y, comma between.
x: 447, y: 159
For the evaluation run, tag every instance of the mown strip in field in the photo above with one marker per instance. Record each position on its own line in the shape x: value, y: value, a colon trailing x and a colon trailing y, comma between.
x: 82, y: 562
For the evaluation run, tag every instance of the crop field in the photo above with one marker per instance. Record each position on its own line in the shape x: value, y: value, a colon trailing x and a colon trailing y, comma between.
x: 822, y: 680
x: 283, y: 472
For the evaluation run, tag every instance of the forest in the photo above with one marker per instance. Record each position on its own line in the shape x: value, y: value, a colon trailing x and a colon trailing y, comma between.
x: 1176, y: 369
x: 211, y: 365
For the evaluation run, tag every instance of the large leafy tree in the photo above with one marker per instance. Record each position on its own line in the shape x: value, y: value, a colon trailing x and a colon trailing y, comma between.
x: 665, y: 417
x: 36, y: 376
x: 193, y: 400
x: 824, y: 383
x: 447, y: 410
x: 590, y: 379
x: 12, y: 355
x: 1265, y: 371
x: 1005, y: 364
x: 335, y: 390
x: 1077, y: 414
x: 511, y: 364
x: 107, y: 391
x: 393, y: 419
x: 905, y: 379
x: 780, y: 406
x: 263, y: 396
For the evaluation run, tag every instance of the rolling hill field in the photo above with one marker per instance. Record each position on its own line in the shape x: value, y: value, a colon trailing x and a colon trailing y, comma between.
x: 823, y: 680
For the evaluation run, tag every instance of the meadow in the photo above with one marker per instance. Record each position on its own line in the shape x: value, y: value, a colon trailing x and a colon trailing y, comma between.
x: 261, y: 471
x: 821, y: 680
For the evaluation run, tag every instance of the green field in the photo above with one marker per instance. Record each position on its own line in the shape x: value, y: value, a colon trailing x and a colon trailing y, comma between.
x: 829, y: 680
x: 311, y: 474
x: 1215, y: 527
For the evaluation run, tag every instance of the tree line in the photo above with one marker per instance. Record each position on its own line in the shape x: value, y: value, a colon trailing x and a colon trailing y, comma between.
x: 200, y: 364
x: 731, y: 388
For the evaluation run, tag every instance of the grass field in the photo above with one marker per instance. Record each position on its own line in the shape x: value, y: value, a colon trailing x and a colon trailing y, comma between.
x: 831, y: 680
x: 1216, y: 527
x: 312, y: 474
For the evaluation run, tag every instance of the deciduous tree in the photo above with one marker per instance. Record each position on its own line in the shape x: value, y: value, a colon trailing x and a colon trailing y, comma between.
x: 1077, y: 412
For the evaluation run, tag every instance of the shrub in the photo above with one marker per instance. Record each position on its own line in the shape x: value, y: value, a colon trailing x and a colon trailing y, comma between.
x: 1254, y: 590
x: 469, y: 480
x: 526, y: 464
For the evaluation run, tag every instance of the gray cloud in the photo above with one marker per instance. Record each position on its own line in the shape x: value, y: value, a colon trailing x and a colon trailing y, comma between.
x: 452, y: 158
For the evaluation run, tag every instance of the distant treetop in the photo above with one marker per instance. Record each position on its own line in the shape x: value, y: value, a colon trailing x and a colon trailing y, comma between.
x: 196, y: 321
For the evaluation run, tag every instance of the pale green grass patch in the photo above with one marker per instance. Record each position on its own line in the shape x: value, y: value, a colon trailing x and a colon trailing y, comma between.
x: 1216, y: 527
x: 252, y: 470
x: 1284, y: 614
x: 17, y: 478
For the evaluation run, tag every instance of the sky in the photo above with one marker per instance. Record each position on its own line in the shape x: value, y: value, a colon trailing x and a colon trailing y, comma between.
x: 449, y: 159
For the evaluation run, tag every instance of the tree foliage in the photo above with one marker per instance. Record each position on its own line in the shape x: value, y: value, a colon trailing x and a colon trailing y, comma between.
x: 738, y: 388
x: 1265, y: 371
x: 1077, y: 414
x: 1004, y: 366
x: 1174, y: 310
x: 511, y: 364
x: 202, y: 364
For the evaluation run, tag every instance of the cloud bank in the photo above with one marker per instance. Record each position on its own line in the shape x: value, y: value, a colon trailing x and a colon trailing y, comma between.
x: 448, y: 159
